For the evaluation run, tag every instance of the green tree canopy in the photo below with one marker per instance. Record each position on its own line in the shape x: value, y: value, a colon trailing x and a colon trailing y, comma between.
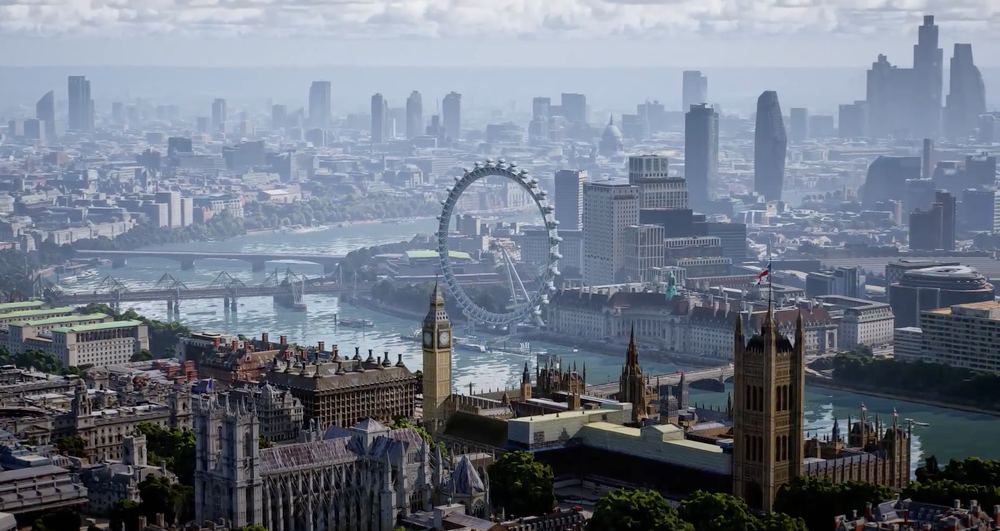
x: 73, y: 445
x: 124, y: 514
x: 171, y: 447
x: 635, y: 510
x: 161, y: 496
x: 819, y: 501
x: 712, y: 511
x: 520, y: 485
x: 58, y: 520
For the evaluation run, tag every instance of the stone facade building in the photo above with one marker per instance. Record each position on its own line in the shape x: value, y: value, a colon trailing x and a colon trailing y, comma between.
x: 365, y: 477
x: 345, y: 391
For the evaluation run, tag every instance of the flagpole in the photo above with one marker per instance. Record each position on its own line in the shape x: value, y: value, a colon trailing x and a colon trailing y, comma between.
x: 770, y: 275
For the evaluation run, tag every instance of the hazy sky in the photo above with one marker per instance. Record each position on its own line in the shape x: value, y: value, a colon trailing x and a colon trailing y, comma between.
x: 485, y: 32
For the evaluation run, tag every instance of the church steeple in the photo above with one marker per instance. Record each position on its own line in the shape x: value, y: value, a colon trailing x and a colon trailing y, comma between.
x: 632, y: 385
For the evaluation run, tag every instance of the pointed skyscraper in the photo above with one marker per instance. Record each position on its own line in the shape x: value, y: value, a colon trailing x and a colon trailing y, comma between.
x: 769, y: 149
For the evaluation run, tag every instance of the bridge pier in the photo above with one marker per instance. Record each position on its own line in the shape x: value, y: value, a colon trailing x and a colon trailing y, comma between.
x: 187, y: 264
x: 258, y: 265
x: 173, y: 309
x: 119, y: 261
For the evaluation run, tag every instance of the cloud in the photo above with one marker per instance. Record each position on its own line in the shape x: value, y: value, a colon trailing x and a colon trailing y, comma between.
x: 487, y: 19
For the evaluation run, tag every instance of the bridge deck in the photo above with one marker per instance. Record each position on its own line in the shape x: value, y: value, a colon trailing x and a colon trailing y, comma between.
x: 193, y: 293
x: 610, y: 388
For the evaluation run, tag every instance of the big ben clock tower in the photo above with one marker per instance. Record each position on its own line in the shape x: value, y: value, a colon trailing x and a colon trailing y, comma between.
x: 437, y: 361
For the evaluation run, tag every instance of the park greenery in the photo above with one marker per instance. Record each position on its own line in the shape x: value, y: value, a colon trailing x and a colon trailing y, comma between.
x: 921, y: 380
x: 817, y: 501
x: 647, y: 510
x: 34, y: 359
x: 171, y: 447
x: 157, y: 495
x: 324, y: 209
x: 635, y: 510
x: 521, y: 486
x: 969, y: 479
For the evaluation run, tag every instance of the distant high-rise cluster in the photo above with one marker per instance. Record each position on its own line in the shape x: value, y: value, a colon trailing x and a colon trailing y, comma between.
x: 907, y: 102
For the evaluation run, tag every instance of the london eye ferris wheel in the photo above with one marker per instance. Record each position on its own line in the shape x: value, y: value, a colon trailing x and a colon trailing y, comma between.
x: 526, y: 300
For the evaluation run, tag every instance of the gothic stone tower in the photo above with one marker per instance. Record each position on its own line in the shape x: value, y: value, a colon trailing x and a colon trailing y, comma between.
x: 631, y: 385
x: 437, y: 362
x: 227, y: 482
x: 767, y: 412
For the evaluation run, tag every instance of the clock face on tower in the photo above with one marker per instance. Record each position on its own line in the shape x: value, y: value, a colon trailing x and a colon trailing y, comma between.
x: 428, y: 339
x: 444, y: 338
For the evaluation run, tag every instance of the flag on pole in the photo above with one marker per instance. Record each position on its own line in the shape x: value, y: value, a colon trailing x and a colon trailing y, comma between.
x: 764, y: 273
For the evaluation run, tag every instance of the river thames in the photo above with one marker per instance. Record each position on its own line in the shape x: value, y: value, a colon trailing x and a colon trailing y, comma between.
x: 950, y: 433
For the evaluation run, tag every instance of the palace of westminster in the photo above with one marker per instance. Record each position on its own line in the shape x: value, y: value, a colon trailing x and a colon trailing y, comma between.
x: 365, y: 475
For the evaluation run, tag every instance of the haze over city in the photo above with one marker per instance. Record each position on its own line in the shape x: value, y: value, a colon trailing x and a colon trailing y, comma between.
x: 576, y: 265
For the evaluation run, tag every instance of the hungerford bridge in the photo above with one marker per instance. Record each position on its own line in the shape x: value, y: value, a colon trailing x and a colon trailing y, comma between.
x: 287, y: 288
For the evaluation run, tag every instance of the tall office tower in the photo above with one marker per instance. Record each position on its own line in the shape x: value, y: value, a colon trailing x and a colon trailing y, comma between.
x: 569, y: 198
x: 966, y: 94
x: 219, y: 115
x: 279, y: 117
x: 45, y: 111
x: 694, y: 89
x: 644, y: 252
x: 437, y: 362
x: 451, y: 115
x: 798, y: 124
x: 541, y: 111
x: 986, y: 129
x: 573, y: 107
x: 886, y: 92
x: 852, y: 120
x: 81, y: 105
x: 541, y: 108
x: 701, y: 154
x: 948, y: 218
x: 928, y: 76
x: 768, y: 409
x: 927, y: 159
x: 934, y: 228
x: 769, y: 147
x: 657, y: 189
x: 414, y: 115
x: 33, y: 129
x: 118, y: 114
x: 608, y: 210
x: 379, y: 117
x: 319, y: 104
